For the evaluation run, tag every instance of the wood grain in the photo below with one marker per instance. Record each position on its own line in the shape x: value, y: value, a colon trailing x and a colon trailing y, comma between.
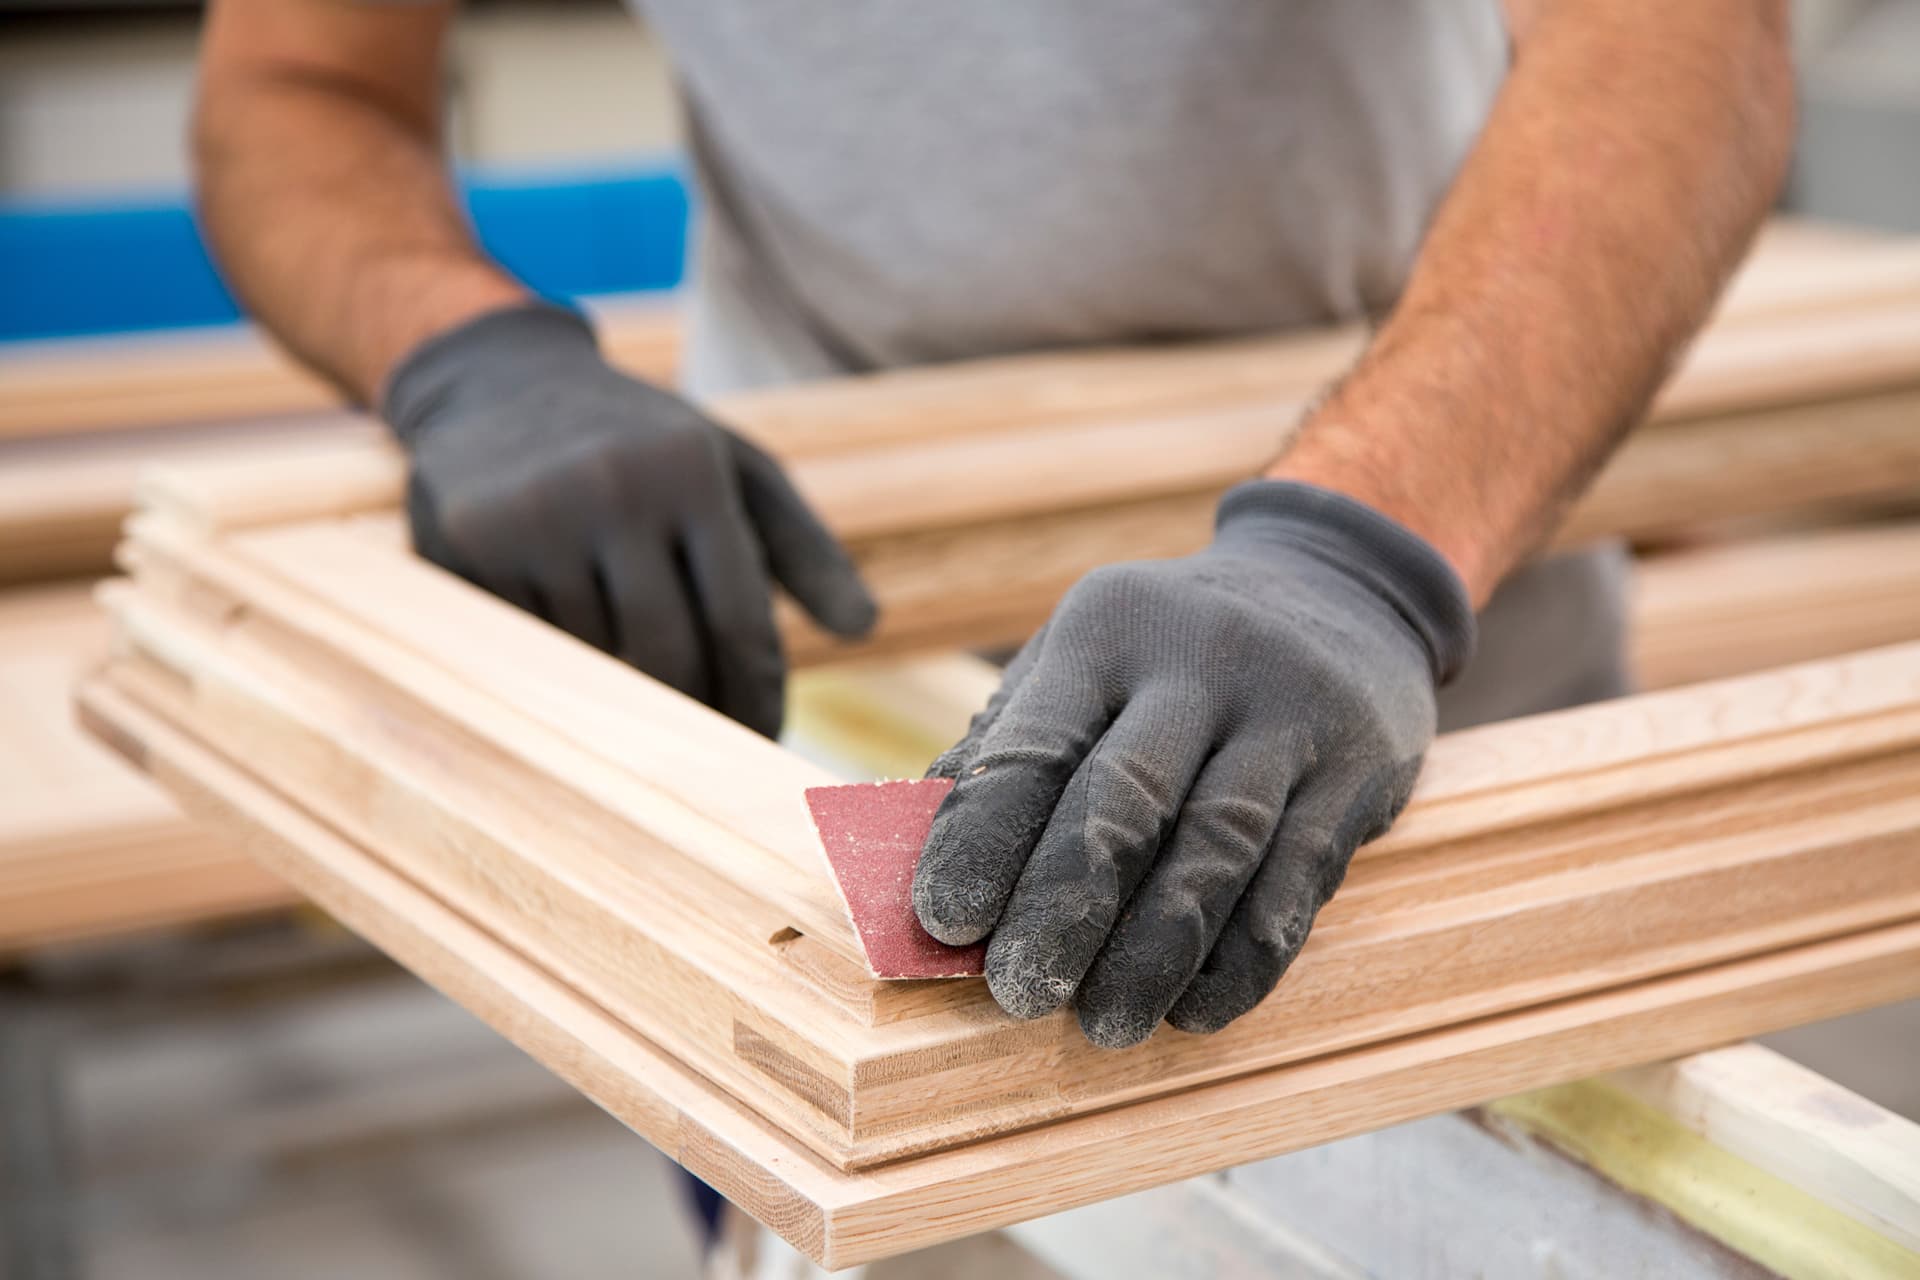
x: 1541, y: 859
x: 1737, y: 606
x: 841, y: 1218
x: 199, y: 377
x: 88, y: 849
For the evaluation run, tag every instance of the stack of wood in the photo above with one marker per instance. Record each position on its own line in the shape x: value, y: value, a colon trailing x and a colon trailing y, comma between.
x: 88, y: 849
x: 628, y: 885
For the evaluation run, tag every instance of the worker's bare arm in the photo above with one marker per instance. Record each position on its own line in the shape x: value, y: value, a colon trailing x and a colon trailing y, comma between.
x: 1625, y: 167
x: 322, y: 183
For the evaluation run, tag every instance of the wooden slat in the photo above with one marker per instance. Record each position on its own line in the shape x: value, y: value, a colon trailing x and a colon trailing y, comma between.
x: 88, y: 849
x: 200, y: 377
x: 1704, y: 824
x: 1845, y: 1151
x: 966, y: 495
x: 1740, y: 606
x: 62, y: 502
x: 1755, y: 1214
x: 843, y: 1219
x: 932, y: 466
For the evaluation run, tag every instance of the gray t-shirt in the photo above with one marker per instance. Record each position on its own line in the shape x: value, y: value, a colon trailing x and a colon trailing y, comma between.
x: 892, y: 182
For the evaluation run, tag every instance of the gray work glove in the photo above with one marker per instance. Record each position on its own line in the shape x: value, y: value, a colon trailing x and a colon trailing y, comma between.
x: 1175, y: 771
x: 611, y: 508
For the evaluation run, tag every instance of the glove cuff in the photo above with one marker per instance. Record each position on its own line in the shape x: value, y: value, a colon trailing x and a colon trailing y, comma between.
x: 501, y: 347
x: 1391, y: 560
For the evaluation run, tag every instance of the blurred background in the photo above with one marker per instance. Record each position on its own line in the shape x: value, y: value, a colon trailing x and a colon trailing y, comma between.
x: 268, y: 1098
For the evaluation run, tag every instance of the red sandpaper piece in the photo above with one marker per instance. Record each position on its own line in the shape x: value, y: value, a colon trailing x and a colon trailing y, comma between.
x: 873, y: 832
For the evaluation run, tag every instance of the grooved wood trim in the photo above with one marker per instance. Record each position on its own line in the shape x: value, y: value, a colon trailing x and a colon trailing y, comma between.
x: 841, y: 1218
x: 602, y: 825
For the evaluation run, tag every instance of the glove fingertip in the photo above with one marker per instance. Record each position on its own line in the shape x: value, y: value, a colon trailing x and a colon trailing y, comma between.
x: 1114, y: 1027
x: 1024, y: 976
x: 951, y: 916
x: 846, y: 608
x: 949, y: 893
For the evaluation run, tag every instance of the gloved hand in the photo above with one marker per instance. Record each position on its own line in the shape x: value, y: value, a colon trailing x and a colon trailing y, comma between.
x: 611, y: 508
x: 1175, y: 771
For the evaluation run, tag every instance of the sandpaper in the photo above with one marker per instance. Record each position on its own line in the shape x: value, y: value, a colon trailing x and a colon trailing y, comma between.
x: 873, y: 832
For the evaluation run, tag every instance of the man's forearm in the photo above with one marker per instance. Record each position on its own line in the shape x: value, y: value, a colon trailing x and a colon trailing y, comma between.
x: 1627, y: 162
x: 331, y: 214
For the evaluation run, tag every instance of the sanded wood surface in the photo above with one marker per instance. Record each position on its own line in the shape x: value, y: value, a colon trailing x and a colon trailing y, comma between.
x: 609, y: 828
x: 843, y: 1218
x: 1745, y: 605
x: 86, y: 847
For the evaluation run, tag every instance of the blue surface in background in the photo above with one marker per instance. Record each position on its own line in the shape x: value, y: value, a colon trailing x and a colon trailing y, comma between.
x: 70, y: 268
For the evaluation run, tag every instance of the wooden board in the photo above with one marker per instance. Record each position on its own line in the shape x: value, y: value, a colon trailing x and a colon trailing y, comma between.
x: 981, y: 466
x: 203, y: 376
x: 1739, y: 606
x: 610, y: 828
x: 963, y: 490
x: 198, y: 377
x: 86, y: 847
x: 841, y: 1218
x: 62, y: 502
x: 1847, y: 1152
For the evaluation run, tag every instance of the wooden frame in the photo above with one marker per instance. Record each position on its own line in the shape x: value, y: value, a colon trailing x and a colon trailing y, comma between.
x: 840, y: 1218
x: 653, y: 862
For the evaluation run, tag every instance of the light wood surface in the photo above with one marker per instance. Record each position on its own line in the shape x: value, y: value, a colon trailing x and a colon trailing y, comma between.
x: 842, y: 1218
x: 1745, y: 605
x: 88, y: 848
x: 520, y: 781
x: 1776, y: 1225
x: 973, y: 495
x: 199, y: 377
x: 1802, y: 392
x: 1835, y: 1145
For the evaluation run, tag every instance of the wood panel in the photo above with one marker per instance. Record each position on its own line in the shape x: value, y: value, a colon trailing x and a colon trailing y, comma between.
x: 845, y: 1218
x: 520, y: 780
x: 87, y: 848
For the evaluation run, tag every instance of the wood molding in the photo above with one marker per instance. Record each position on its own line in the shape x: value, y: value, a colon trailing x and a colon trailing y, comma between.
x: 608, y: 828
x: 844, y: 1218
